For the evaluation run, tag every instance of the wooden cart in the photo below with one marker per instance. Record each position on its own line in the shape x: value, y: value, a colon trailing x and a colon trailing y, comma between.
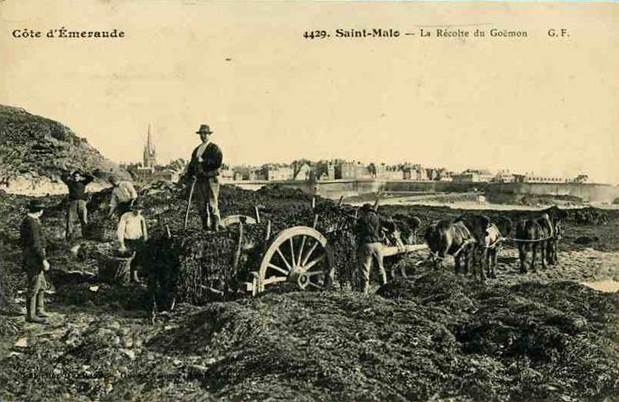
x: 299, y: 256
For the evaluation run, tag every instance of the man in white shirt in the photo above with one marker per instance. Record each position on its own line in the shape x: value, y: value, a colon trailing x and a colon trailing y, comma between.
x: 132, y: 236
x: 123, y: 196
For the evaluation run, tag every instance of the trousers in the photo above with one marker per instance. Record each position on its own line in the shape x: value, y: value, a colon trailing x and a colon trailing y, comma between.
x: 207, y: 200
x: 365, y: 254
x: 36, y: 293
x: 76, y: 211
x: 137, y: 246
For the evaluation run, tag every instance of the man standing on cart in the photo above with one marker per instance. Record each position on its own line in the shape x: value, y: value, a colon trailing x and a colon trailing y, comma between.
x: 203, y: 171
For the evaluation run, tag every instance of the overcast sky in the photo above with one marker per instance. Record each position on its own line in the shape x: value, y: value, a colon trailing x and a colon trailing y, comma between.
x: 537, y: 104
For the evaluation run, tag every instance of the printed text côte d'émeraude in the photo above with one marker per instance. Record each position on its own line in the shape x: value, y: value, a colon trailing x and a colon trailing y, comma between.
x: 63, y: 33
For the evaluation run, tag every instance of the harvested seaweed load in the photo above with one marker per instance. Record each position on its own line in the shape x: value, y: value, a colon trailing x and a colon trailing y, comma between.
x: 199, y: 266
x: 212, y: 265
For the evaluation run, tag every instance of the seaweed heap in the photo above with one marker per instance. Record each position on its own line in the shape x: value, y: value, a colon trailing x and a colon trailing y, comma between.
x: 37, y: 150
x: 438, y: 337
x: 434, y: 338
x: 192, y: 267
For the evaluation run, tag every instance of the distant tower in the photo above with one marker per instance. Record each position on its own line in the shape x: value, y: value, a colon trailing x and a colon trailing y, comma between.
x: 150, y: 154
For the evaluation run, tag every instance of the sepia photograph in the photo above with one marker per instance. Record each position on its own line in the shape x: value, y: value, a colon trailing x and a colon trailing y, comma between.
x: 208, y: 200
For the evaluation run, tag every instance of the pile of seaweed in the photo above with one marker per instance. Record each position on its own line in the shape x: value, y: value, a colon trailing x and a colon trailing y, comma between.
x: 36, y: 146
x: 199, y: 266
x: 432, y: 338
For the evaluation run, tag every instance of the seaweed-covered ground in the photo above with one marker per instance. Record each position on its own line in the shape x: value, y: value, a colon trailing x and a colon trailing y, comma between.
x: 431, y: 336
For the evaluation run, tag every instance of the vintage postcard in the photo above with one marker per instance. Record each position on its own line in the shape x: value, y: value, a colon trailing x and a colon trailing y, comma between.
x: 309, y: 200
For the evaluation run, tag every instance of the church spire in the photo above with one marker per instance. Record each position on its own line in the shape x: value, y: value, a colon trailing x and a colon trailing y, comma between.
x: 148, y: 140
x: 150, y: 155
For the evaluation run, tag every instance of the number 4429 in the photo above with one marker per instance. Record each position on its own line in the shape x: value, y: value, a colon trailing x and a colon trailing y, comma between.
x: 315, y: 34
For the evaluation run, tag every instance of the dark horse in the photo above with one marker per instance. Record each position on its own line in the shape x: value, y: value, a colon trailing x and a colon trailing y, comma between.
x: 556, y: 217
x: 533, y: 235
x: 488, y: 237
x: 450, y: 238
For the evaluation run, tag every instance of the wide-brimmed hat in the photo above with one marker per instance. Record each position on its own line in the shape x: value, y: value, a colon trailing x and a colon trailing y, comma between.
x: 136, y: 205
x: 204, y: 129
x: 35, y: 206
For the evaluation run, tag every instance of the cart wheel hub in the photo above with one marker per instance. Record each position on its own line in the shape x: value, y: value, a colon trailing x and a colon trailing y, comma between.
x: 299, y: 277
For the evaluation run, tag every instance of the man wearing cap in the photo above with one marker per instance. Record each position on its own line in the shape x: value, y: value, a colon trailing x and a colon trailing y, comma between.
x: 370, y: 246
x: 132, y: 236
x: 76, y: 182
x: 34, y: 262
x: 123, y: 196
x: 206, y: 161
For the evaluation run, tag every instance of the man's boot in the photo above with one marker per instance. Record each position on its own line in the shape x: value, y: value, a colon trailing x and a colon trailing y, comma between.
x: 205, y: 222
x: 31, y: 305
x: 134, y: 276
x: 216, y: 223
x: 40, y: 312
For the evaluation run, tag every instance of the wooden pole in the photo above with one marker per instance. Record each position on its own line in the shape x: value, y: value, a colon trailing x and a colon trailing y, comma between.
x: 376, y: 202
x: 257, y: 212
x: 193, y: 186
x: 267, y: 236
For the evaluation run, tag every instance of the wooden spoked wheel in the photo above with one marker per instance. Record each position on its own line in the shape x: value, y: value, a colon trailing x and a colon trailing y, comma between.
x: 235, y: 219
x: 298, y: 256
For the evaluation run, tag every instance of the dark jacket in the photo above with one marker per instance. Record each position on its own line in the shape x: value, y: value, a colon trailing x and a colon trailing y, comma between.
x: 212, y: 159
x: 77, y: 189
x: 33, y: 243
x: 369, y: 228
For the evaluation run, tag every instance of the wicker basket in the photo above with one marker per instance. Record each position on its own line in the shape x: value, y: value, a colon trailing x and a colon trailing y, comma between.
x: 115, y: 270
x: 99, y: 232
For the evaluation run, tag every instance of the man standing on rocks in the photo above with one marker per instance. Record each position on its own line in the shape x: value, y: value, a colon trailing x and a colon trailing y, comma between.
x: 370, y: 246
x: 132, y: 236
x: 203, y: 169
x: 76, y: 182
x: 35, y: 261
x: 123, y: 196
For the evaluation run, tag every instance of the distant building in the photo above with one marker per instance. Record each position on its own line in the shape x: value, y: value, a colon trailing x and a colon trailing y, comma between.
x: 432, y: 174
x: 362, y: 171
x: 238, y: 175
x: 413, y: 172
x: 346, y: 170
x: 474, y: 176
x: 167, y: 175
x: 325, y: 170
x: 226, y: 174
x: 276, y: 172
x: 504, y: 176
x: 385, y: 172
x: 534, y: 178
x: 304, y: 172
x: 445, y: 175
x: 256, y: 174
